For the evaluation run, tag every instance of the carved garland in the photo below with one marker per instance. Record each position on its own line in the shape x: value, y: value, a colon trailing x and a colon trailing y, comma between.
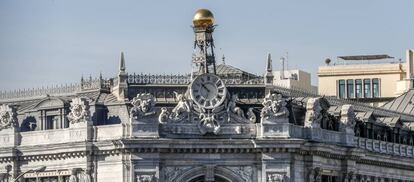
x: 7, y: 117
x: 79, y: 111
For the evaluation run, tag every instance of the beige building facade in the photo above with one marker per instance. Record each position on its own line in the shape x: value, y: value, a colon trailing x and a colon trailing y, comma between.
x: 367, y: 78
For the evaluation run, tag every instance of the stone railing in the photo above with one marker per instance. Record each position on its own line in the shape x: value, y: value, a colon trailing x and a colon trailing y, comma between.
x: 53, y: 136
x: 360, y: 106
x: 385, y: 147
x: 27, y: 93
x: 85, y: 85
x: 159, y: 79
x: 185, y: 79
x: 97, y: 83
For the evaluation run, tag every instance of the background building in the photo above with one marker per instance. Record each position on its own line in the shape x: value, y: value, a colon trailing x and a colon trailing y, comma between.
x: 374, y: 79
x: 292, y: 79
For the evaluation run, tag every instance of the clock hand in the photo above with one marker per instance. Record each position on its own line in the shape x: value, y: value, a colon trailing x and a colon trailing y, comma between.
x: 205, y: 87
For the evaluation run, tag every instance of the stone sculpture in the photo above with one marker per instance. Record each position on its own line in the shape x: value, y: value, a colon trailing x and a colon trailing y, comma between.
x: 142, y: 105
x: 274, y: 107
x: 79, y: 111
x: 7, y: 117
x: 347, y: 119
x: 181, y: 108
x: 232, y: 107
x: 251, y: 115
x: 313, y: 116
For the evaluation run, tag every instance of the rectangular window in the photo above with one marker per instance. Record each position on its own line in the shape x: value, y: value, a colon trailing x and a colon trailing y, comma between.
x: 367, y: 88
x: 350, y: 88
x: 358, y: 88
x: 341, y: 88
x: 375, y: 87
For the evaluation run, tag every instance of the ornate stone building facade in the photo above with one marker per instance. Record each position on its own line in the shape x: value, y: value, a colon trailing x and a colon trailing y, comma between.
x: 216, y: 124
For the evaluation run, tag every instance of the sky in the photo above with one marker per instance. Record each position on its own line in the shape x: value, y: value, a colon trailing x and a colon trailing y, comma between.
x: 53, y: 42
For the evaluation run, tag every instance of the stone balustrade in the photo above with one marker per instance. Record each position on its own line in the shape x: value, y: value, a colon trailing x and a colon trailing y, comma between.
x: 385, y: 147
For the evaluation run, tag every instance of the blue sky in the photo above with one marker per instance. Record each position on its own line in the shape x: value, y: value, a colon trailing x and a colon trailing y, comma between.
x: 49, y: 42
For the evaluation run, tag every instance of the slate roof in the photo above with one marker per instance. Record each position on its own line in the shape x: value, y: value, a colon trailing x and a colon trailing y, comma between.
x: 403, y: 103
x: 225, y: 69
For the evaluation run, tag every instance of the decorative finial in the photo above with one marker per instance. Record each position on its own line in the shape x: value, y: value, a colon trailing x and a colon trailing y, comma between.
x: 269, y: 63
x: 122, y: 63
x: 203, y: 18
x: 223, y: 59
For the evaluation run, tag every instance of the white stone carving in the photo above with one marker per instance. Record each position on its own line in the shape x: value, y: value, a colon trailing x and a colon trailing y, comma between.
x: 171, y: 173
x: 163, y: 117
x: 347, y: 119
x: 274, y: 106
x: 275, y: 177
x: 244, y: 172
x: 208, y: 123
x: 251, y: 116
x: 73, y: 176
x: 232, y: 107
x: 182, y: 108
x: 313, y: 116
x: 7, y: 117
x: 145, y: 178
x: 79, y: 111
x: 142, y: 106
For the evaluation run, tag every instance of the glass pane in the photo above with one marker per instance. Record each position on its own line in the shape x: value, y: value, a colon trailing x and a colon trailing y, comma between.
x: 375, y: 87
x: 350, y: 88
x: 358, y: 88
x: 341, y: 89
x: 367, y: 87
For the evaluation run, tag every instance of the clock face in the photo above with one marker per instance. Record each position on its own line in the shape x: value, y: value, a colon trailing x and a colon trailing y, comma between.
x: 208, y: 91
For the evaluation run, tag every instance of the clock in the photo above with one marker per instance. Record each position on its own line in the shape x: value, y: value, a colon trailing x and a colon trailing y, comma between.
x: 208, y: 91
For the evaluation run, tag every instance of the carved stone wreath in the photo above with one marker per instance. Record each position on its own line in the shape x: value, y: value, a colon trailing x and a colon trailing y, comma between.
x: 7, y: 117
x: 79, y: 111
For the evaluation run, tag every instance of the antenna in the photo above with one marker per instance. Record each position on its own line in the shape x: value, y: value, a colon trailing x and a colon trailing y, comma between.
x: 287, y: 60
x: 282, y: 72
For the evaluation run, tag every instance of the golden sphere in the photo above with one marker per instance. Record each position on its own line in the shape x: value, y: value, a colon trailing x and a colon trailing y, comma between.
x: 203, y: 18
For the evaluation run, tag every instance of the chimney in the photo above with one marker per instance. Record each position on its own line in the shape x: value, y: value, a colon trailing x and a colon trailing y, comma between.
x: 409, y: 55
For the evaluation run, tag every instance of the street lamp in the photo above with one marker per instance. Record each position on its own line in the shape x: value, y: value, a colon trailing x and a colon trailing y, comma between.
x: 38, y: 169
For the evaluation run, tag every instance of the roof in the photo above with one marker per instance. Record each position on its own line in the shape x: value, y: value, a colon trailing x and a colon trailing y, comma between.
x: 225, y: 69
x: 366, y: 57
x: 403, y: 103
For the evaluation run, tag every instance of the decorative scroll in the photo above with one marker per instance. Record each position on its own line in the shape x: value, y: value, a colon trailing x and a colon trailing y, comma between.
x: 7, y: 117
x: 79, y: 111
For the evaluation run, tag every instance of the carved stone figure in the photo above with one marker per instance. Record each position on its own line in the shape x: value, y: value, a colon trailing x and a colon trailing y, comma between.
x: 313, y: 116
x: 347, y: 119
x: 7, y: 117
x: 181, y: 108
x: 86, y: 176
x: 208, y: 124
x: 274, y: 106
x: 73, y: 177
x: 232, y: 107
x: 142, y: 105
x: 79, y: 111
x: 251, y: 116
x: 146, y: 178
x: 163, y: 117
x: 275, y: 177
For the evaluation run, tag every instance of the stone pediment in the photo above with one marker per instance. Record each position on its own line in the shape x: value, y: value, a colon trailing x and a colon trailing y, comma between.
x: 50, y: 102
